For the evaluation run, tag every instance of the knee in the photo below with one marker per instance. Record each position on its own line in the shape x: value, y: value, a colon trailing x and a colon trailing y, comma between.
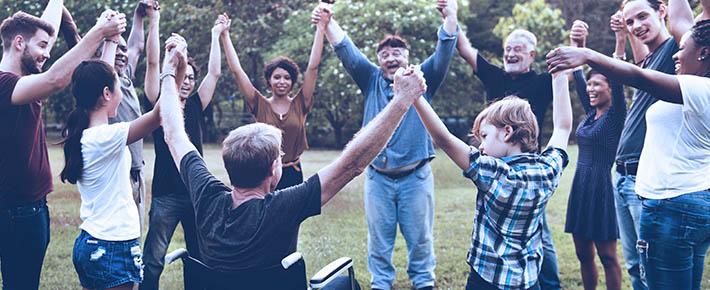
x: 609, y: 260
x: 585, y: 257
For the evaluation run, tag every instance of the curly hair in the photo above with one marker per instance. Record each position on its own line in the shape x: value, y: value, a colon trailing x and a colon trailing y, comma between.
x: 285, y: 63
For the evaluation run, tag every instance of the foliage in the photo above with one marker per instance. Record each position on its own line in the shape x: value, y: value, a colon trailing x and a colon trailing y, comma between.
x: 542, y: 20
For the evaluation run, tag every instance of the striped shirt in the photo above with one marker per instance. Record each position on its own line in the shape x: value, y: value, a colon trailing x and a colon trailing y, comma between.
x: 506, y: 243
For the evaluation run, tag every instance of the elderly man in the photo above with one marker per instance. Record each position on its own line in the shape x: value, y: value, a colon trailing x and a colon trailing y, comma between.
x: 517, y: 78
x: 25, y: 175
x: 249, y: 226
x: 399, y: 189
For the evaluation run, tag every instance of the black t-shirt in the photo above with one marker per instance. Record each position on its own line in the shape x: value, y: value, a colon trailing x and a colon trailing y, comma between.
x: 534, y: 87
x: 254, y: 236
x: 634, y: 133
x: 166, y: 178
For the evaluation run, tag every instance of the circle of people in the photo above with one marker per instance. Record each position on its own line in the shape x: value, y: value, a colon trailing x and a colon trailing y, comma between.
x: 658, y: 204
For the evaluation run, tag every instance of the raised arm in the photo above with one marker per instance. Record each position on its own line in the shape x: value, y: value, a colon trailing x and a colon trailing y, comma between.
x: 151, y: 85
x: 53, y: 14
x: 38, y: 86
x: 311, y: 73
x: 366, y: 144
x: 171, y: 114
x: 136, y: 39
x: 333, y: 31
x: 561, y: 111
x: 245, y: 86
x: 68, y: 29
x: 467, y: 52
x: 456, y: 149
x: 621, y: 34
x: 664, y: 86
x: 680, y: 18
x: 437, y: 65
x: 144, y: 125
x: 214, y: 69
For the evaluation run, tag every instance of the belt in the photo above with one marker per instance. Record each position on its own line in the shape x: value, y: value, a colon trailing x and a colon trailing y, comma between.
x: 627, y: 168
x: 400, y: 174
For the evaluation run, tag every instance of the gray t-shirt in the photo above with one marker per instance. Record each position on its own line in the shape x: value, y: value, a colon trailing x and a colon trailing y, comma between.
x: 128, y: 110
x: 631, y: 142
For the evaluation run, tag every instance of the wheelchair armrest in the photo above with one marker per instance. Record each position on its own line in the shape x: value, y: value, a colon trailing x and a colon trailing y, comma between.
x: 175, y: 255
x: 291, y: 259
x: 329, y: 272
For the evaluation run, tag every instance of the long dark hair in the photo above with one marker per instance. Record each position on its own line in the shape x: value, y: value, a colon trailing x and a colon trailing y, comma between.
x: 88, y: 82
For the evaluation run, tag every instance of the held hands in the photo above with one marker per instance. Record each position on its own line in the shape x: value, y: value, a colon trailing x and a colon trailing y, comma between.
x: 409, y: 83
x: 578, y: 33
x: 566, y: 57
x: 321, y: 17
x: 175, y: 53
x: 221, y: 25
x: 616, y: 22
x: 447, y: 7
x: 111, y: 23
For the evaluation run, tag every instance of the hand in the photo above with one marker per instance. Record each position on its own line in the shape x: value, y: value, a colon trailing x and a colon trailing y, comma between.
x: 175, y: 52
x: 616, y: 22
x: 409, y: 83
x: 221, y: 24
x: 578, y: 33
x: 111, y: 23
x: 321, y: 17
x: 152, y: 8
x: 447, y: 7
x: 566, y: 57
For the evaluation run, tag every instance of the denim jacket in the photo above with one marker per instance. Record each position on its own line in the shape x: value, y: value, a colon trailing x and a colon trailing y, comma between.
x: 410, y: 142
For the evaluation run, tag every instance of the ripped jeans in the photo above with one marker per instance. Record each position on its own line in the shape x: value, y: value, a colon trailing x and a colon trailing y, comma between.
x: 673, y: 240
x: 106, y: 264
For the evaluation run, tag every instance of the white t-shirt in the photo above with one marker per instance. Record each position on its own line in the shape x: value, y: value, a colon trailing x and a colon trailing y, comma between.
x: 107, y: 210
x: 676, y: 155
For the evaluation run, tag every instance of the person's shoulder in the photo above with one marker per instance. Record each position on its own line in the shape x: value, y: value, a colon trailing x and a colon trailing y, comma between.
x: 554, y: 156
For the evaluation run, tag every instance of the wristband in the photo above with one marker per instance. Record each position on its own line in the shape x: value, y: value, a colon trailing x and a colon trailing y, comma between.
x: 167, y: 74
x: 619, y: 57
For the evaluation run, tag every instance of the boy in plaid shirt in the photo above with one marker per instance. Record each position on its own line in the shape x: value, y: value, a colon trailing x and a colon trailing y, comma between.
x: 514, y: 184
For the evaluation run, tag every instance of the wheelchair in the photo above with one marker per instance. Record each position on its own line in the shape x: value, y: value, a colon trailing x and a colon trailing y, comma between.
x: 290, y: 275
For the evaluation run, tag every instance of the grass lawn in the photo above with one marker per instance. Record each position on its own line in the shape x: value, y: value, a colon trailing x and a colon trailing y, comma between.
x: 340, y: 231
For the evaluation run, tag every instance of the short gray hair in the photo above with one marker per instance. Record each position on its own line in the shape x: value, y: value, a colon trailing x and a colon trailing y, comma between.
x: 527, y: 36
x: 248, y: 153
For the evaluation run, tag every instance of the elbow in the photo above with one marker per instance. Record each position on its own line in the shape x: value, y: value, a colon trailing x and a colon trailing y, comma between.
x: 216, y: 73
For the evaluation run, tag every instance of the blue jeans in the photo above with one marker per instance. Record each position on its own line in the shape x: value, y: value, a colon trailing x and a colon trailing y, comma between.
x: 628, y: 213
x: 165, y: 213
x: 549, y: 278
x: 676, y: 235
x: 104, y: 264
x: 409, y: 203
x: 24, y: 237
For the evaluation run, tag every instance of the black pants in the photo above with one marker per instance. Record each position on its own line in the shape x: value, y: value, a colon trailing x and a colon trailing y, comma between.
x: 290, y: 176
x: 24, y: 237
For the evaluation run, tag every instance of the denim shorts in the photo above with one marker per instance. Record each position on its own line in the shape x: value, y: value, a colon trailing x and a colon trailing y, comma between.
x: 106, y: 264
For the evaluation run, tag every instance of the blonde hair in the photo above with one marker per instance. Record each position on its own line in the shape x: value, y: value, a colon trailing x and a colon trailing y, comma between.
x: 514, y: 112
x: 527, y: 36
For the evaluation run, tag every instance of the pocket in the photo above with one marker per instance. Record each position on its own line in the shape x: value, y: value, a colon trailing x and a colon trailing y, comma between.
x: 424, y: 172
x: 92, y: 258
x: 28, y: 211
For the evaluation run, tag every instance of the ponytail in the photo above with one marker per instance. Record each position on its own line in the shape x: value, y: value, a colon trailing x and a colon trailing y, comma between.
x: 77, y: 122
x: 89, y: 80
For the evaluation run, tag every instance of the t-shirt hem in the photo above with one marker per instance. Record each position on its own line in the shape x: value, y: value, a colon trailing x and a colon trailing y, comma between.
x: 96, y: 234
x: 647, y: 194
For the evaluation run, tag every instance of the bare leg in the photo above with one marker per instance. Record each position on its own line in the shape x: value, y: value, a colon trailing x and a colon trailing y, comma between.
x: 585, y: 254
x: 612, y: 270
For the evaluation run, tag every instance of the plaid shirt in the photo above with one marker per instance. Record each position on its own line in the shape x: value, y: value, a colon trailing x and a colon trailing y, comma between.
x: 506, y: 243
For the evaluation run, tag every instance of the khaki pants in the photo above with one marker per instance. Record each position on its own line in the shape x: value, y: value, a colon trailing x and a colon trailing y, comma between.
x: 138, y: 187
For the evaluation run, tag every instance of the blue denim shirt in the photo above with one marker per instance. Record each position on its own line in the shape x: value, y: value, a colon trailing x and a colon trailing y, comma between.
x: 410, y: 142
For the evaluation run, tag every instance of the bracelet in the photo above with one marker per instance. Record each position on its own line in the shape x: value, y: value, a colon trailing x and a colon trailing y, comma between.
x: 619, y: 57
x: 167, y: 74
x: 111, y: 41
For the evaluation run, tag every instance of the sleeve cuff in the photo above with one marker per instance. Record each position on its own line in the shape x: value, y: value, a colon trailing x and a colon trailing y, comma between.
x: 443, y: 35
x: 343, y: 43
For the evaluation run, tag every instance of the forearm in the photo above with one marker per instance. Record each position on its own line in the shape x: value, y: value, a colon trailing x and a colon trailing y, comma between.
x: 136, y: 40
x: 311, y: 73
x: 467, y: 52
x: 235, y: 66
x: 456, y: 149
x: 53, y: 14
x: 450, y: 24
x: 364, y: 147
x: 334, y: 32
x: 68, y: 29
x: 172, y: 120
x: 152, y: 73
x: 620, y: 47
x: 209, y: 83
x: 638, y: 49
x: 60, y: 72
x: 561, y: 112
x: 680, y: 18
x: 108, y: 53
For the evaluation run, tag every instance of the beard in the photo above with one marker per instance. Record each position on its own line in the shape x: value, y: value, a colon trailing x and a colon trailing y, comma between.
x: 29, y: 64
x: 518, y: 67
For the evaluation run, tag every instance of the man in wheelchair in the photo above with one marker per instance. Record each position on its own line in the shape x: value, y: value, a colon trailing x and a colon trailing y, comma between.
x: 246, y: 230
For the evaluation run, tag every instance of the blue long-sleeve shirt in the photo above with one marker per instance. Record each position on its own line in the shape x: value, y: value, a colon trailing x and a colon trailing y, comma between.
x: 410, y: 142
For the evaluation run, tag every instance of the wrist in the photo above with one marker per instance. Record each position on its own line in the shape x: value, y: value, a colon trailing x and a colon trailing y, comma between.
x: 168, y: 73
x: 110, y: 40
